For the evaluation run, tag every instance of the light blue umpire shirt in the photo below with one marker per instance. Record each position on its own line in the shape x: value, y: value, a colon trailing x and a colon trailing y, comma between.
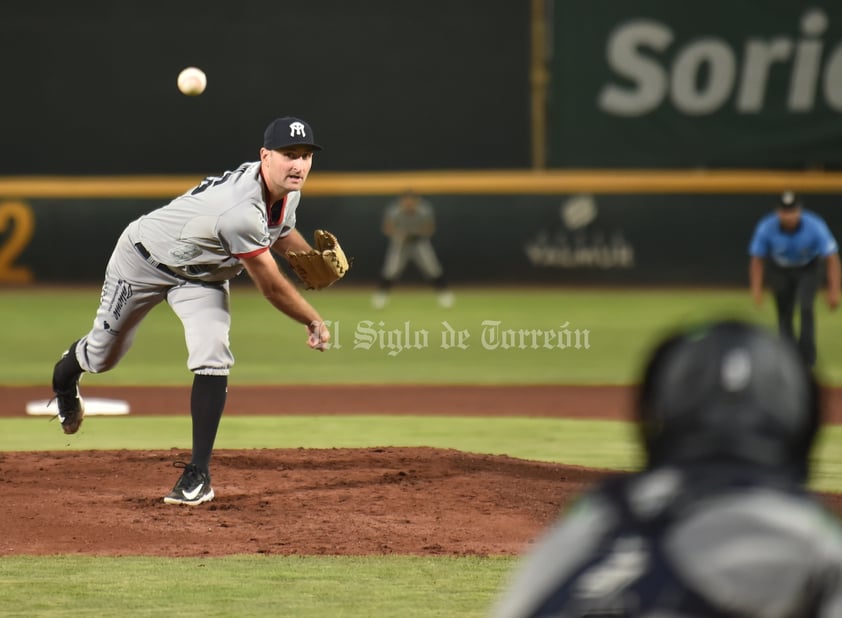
x: 792, y: 248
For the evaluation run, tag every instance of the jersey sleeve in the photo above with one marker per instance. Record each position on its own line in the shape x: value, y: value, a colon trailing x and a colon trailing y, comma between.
x: 759, y: 245
x: 389, y: 214
x: 244, y: 231
x: 429, y: 214
x: 827, y: 243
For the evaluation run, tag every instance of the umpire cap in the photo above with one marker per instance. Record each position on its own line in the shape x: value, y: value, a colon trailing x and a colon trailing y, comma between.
x: 728, y: 391
x: 789, y: 201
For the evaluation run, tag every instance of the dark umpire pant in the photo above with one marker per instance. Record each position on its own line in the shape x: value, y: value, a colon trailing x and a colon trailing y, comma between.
x: 791, y: 285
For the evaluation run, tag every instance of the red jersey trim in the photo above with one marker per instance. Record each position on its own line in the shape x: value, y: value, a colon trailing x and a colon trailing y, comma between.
x: 251, y: 254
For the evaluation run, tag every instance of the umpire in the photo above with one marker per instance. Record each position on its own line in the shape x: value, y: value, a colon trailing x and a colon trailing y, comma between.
x: 792, y: 243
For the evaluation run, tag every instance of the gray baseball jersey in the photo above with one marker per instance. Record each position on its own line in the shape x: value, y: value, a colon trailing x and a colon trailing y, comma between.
x: 184, y: 253
x: 655, y: 546
x: 410, y: 223
x: 202, y: 233
x: 410, y: 240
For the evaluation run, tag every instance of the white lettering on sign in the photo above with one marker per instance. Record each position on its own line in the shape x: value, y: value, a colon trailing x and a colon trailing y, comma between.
x: 707, y: 72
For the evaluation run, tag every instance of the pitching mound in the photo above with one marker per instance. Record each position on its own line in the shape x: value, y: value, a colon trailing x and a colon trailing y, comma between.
x: 299, y: 501
x: 291, y: 501
x: 421, y: 501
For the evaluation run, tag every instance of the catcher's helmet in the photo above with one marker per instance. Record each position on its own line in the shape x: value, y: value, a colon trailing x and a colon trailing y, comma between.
x: 729, y: 390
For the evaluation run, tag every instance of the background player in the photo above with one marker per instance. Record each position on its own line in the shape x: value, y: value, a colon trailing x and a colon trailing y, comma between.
x: 409, y: 224
x: 185, y: 253
x: 719, y: 523
x: 792, y: 243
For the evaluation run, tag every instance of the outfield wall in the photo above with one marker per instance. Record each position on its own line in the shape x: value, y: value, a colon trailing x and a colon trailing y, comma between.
x: 562, y: 228
x: 90, y: 87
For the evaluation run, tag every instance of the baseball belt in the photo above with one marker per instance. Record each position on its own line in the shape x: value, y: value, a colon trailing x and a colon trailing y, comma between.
x: 144, y: 253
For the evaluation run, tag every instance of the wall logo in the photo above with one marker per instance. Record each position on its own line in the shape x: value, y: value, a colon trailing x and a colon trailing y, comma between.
x: 698, y: 77
x: 579, y: 242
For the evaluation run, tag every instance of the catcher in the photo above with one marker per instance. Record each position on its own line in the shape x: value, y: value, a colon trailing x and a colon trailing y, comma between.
x: 720, y: 522
x: 185, y: 253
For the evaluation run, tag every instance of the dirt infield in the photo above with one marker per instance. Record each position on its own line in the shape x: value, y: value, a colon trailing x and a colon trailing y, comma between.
x: 422, y: 501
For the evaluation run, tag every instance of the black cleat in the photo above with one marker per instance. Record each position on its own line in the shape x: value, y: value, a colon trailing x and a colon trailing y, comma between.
x: 71, y: 410
x: 193, y: 488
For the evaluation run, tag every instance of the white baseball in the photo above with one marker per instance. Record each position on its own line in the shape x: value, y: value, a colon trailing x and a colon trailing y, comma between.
x: 192, y: 81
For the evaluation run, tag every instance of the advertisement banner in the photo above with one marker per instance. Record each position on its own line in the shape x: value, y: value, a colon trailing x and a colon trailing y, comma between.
x: 755, y: 83
x: 578, y: 239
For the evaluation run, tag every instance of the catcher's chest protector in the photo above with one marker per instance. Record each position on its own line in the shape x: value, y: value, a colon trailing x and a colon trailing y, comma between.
x: 628, y: 575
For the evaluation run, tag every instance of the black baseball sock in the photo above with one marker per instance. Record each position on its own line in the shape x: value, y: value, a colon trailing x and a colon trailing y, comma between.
x: 67, y: 371
x: 207, y: 401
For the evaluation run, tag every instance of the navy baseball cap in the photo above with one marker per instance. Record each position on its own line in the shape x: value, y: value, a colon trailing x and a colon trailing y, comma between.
x: 288, y: 131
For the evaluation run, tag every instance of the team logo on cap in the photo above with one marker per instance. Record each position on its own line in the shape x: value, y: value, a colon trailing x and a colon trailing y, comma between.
x: 296, y: 128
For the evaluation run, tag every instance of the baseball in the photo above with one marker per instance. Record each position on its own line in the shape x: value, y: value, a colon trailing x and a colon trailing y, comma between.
x: 192, y: 81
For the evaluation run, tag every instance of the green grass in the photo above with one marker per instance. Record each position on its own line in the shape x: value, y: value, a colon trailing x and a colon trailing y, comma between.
x: 560, y: 440
x: 250, y: 586
x: 599, y: 444
x: 269, y: 348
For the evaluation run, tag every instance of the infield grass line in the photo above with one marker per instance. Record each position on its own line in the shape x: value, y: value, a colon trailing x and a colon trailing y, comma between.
x: 591, y: 443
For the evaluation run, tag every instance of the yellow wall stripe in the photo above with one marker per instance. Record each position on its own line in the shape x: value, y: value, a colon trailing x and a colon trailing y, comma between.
x: 492, y: 182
